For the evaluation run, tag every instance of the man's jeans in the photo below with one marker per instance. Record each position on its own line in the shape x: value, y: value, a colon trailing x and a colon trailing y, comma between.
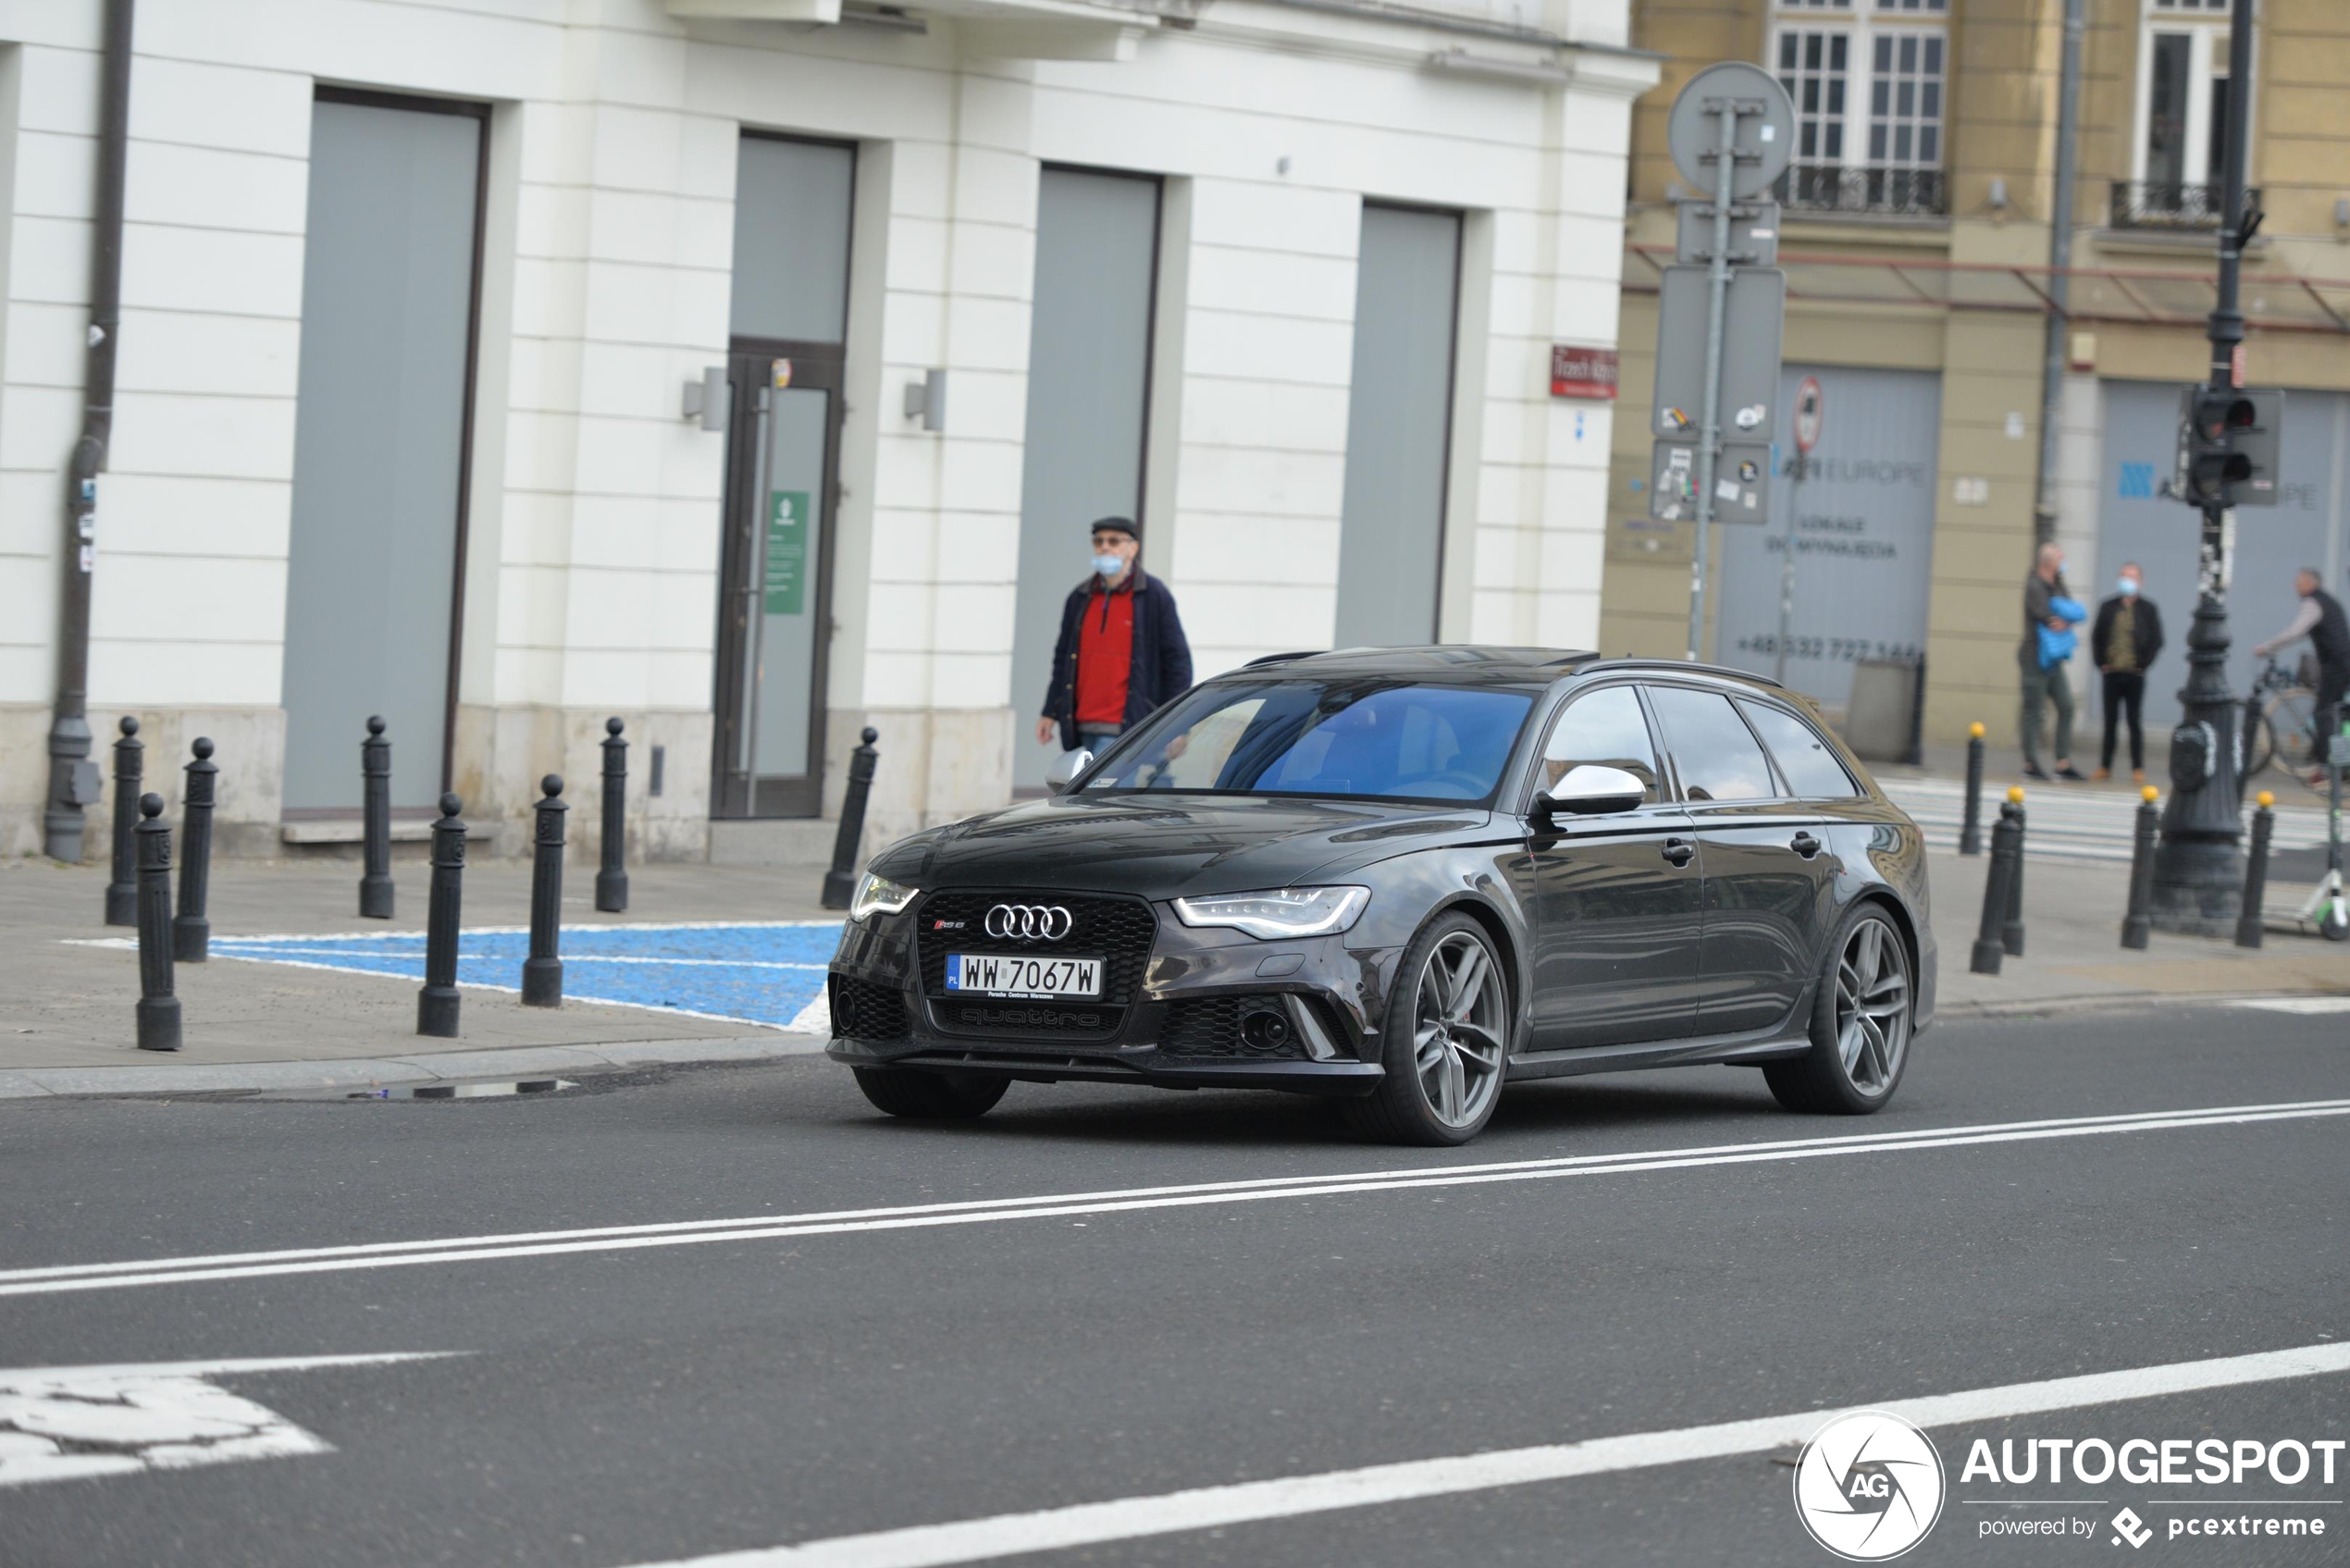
x: 2048, y: 685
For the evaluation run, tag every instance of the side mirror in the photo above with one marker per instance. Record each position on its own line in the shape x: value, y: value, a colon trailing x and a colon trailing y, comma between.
x: 1065, y: 768
x: 1590, y: 790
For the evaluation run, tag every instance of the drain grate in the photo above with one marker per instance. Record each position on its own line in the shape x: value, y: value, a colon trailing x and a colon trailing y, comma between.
x: 463, y: 1091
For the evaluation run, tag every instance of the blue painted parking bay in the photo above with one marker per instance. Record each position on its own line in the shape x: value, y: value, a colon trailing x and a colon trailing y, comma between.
x: 767, y: 973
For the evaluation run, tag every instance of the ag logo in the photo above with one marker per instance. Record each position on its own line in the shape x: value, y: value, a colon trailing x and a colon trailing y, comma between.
x: 1869, y: 1486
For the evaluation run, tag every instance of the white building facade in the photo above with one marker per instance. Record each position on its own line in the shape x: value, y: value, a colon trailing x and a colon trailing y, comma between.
x: 413, y: 295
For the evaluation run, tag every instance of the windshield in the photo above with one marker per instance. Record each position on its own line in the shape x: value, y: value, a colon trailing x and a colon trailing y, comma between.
x: 1382, y: 738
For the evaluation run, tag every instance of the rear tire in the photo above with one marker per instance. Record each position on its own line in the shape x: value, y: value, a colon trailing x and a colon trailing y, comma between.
x: 1861, y: 1017
x: 927, y: 1094
x: 1445, y: 1041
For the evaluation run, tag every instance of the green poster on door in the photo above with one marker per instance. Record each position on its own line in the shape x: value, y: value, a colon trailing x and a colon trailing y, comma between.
x: 786, y: 551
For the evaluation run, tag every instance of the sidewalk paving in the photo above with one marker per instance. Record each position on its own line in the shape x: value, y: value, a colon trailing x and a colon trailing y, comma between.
x: 65, y: 1006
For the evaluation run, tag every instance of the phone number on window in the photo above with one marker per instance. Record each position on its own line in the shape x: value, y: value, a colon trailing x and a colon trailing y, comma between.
x: 1841, y: 649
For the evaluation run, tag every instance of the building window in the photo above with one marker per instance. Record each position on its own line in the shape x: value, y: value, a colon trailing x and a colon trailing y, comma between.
x: 1868, y: 83
x: 2180, y: 158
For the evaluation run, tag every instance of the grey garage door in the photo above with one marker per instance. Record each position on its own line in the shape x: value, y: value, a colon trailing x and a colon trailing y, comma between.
x: 1089, y: 350
x: 2306, y: 527
x: 387, y: 313
x: 1862, y: 531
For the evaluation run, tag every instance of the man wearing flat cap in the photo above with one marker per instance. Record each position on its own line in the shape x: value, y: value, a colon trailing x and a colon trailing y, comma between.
x: 1121, y: 651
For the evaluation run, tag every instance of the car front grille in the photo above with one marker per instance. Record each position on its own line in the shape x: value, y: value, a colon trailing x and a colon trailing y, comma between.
x: 862, y: 1010
x: 1119, y: 930
x: 1210, y: 1026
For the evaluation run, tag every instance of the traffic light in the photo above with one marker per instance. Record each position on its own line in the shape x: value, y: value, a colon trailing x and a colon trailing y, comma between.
x: 2228, y: 447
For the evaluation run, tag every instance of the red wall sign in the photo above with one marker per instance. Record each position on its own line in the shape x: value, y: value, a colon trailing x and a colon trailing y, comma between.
x: 1582, y: 373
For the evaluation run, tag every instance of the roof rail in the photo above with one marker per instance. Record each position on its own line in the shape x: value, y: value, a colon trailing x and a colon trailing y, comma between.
x: 1283, y: 658
x: 1629, y: 663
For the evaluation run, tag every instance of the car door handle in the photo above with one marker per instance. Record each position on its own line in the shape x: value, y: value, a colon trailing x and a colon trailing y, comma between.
x: 1680, y: 851
x: 1805, y: 845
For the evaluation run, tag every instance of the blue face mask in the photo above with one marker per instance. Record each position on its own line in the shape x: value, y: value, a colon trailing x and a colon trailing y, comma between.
x: 1108, y: 565
x: 2127, y: 588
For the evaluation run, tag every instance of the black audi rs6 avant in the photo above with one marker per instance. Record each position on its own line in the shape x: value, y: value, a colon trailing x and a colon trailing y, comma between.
x: 1406, y: 877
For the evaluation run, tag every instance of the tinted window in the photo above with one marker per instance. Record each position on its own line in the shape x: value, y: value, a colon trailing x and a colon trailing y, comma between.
x: 1810, y: 770
x: 1361, y: 736
x: 1713, y: 750
x: 1607, y: 728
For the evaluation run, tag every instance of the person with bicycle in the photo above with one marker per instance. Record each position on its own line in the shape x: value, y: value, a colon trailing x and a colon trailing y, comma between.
x: 2127, y: 637
x: 2320, y: 618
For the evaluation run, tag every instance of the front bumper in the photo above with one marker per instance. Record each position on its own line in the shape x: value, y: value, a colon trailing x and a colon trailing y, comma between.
x: 1176, y: 1024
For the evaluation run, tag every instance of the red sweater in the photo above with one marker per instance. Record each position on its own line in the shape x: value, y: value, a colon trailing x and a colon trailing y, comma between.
x: 1106, y: 654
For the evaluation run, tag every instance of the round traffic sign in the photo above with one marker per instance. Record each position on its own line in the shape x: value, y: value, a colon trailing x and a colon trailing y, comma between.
x: 1808, y: 401
x: 1765, y: 127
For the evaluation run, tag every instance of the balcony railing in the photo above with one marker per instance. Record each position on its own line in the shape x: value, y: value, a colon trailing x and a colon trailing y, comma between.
x: 2157, y: 204
x: 1830, y: 188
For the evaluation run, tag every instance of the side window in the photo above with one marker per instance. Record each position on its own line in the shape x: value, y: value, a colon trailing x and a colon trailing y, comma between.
x: 1713, y: 750
x: 1604, y: 727
x: 1805, y: 760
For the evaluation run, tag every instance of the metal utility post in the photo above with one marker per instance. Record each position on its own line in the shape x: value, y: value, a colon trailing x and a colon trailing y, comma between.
x: 2198, y: 881
x: 1731, y: 130
x: 1709, y: 446
x: 2068, y: 136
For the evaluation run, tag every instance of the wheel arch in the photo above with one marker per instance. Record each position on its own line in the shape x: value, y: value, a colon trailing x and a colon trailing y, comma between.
x: 1904, y: 922
x: 1497, y: 931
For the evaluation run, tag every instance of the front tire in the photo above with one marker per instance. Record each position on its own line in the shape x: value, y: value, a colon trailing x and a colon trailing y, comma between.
x: 929, y: 1095
x: 1861, y: 1023
x: 1445, y: 1041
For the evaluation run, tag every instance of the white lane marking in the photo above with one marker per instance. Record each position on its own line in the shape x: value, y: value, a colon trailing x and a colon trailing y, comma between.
x: 71, y: 1423
x: 62, y: 1277
x: 258, y: 950
x: 2298, y: 1003
x: 1206, y: 1508
x: 417, y: 936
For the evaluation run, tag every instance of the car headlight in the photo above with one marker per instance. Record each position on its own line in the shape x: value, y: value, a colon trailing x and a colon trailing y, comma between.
x: 1279, y: 913
x: 879, y: 895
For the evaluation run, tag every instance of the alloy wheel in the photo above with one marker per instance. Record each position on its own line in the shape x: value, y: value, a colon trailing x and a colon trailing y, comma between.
x: 1457, y: 1028
x: 1873, y: 1007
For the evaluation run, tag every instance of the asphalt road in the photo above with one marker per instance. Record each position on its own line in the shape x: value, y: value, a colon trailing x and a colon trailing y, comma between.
x: 654, y: 1396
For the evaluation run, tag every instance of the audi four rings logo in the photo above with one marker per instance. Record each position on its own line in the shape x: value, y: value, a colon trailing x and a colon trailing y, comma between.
x: 1030, y: 923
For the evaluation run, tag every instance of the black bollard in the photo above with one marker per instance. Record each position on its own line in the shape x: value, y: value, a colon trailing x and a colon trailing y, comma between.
x: 437, y: 1002
x: 191, y: 932
x: 542, y: 972
x: 2137, y: 922
x: 1970, y: 829
x: 129, y: 761
x: 2255, y: 871
x: 2011, y: 932
x: 611, y: 876
x: 2006, y: 848
x: 841, y: 880
x: 375, y: 823
x: 158, y: 1008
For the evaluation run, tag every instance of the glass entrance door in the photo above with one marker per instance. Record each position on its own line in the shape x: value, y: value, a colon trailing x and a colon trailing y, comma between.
x: 775, y: 619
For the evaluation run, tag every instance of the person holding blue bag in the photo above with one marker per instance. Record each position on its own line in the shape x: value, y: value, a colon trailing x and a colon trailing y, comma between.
x: 2049, y: 614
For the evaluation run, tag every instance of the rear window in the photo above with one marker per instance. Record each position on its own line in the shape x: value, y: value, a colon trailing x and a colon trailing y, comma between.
x: 1806, y: 762
x: 1385, y: 739
x: 1713, y: 752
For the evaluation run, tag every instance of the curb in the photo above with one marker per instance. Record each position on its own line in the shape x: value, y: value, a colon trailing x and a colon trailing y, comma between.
x: 27, y: 1083
x: 2124, y: 1001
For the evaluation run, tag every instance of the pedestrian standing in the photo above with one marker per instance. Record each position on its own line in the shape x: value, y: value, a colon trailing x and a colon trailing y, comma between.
x: 2320, y: 620
x: 1121, y: 651
x: 2049, y: 614
x: 2127, y: 637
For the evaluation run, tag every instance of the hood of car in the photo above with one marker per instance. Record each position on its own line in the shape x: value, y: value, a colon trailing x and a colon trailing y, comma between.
x: 1170, y: 845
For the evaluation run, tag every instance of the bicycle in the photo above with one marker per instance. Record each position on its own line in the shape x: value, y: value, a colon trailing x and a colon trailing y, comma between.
x: 2280, y: 723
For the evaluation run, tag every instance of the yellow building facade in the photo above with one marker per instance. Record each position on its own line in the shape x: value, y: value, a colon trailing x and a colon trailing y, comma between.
x: 1915, y: 237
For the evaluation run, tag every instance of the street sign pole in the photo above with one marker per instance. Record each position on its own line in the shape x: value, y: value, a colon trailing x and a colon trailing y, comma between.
x: 1725, y: 167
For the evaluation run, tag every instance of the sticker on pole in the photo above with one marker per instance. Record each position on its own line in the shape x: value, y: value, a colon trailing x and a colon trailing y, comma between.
x: 1808, y: 408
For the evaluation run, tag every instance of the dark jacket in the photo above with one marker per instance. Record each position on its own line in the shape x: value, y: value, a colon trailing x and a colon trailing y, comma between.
x: 2330, y: 637
x: 1162, y: 660
x: 2146, y: 626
